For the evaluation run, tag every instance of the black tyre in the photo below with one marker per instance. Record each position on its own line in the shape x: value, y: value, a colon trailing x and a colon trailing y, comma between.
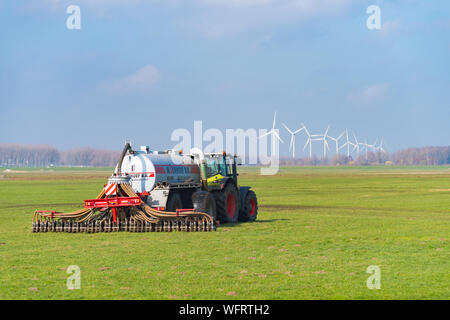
x: 249, y: 210
x: 204, y: 201
x: 227, y: 203
x: 174, y: 202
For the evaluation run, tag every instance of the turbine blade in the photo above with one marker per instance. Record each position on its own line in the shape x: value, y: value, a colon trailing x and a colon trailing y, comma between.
x: 306, y: 144
x: 274, y: 120
x: 265, y: 134
x: 285, y: 126
x: 354, y: 136
x: 306, y: 130
x: 278, y: 137
x: 291, y: 144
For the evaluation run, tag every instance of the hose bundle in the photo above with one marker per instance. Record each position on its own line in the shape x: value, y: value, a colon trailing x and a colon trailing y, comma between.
x: 139, y: 218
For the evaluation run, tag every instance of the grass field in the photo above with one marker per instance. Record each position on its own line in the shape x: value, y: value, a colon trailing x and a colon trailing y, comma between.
x: 317, y: 232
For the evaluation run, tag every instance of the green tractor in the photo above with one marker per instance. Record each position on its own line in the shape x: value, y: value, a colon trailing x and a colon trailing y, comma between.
x: 221, y: 195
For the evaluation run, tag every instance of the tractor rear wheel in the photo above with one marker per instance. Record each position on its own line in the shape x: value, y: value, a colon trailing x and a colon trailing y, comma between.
x: 174, y: 202
x: 249, y: 209
x: 204, y: 201
x: 227, y: 203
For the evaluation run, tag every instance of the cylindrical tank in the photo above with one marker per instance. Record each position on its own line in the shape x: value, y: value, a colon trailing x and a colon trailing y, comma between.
x: 148, y: 169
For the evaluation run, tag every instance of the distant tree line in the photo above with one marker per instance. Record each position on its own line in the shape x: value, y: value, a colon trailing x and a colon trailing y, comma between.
x: 422, y: 156
x: 411, y: 156
x: 21, y: 155
x: 90, y: 157
x: 24, y: 155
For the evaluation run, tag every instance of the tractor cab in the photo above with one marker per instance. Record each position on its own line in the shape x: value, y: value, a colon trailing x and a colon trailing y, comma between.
x: 219, y: 168
x: 219, y: 178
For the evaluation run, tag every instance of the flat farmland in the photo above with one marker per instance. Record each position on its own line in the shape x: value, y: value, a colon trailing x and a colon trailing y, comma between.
x: 318, y: 230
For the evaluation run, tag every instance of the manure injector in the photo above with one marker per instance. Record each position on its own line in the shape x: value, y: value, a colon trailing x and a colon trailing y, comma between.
x: 154, y: 191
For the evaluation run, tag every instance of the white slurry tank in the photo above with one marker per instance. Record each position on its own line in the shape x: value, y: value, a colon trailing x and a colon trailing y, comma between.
x: 147, y: 170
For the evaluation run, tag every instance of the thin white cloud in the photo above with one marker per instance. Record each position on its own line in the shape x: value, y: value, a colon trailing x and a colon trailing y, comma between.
x: 390, y: 26
x: 215, y: 18
x: 58, y: 6
x: 234, y: 3
x: 222, y: 18
x: 142, y: 80
x: 369, y: 95
x: 303, y: 5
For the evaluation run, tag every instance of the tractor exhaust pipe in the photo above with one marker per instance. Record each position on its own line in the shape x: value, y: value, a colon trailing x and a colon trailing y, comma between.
x: 202, y: 164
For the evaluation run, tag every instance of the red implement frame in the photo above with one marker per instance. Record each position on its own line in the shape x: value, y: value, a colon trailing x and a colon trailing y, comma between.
x: 113, y: 203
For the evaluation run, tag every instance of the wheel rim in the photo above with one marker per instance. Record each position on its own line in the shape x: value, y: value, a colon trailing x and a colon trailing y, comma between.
x: 231, y: 205
x: 253, y: 204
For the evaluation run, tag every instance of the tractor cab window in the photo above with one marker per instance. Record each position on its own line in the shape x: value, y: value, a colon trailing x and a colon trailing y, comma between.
x: 214, y: 166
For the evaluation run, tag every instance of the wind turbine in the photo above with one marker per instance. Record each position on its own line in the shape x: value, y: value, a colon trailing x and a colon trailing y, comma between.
x: 336, y: 140
x: 356, y: 144
x: 348, y: 143
x: 273, y: 132
x: 380, y: 146
x: 307, y: 141
x: 293, y: 133
x: 366, y: 148
x: 373, y: 146
x: 322, y: 137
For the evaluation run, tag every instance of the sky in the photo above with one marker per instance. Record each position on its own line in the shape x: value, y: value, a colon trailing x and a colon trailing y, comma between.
x: 137, y: 70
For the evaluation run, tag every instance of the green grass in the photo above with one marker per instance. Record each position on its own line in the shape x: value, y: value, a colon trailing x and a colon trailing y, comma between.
x: 317, y: 232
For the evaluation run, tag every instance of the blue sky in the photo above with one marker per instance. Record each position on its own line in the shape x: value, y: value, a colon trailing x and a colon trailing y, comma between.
x: 137, y: 70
